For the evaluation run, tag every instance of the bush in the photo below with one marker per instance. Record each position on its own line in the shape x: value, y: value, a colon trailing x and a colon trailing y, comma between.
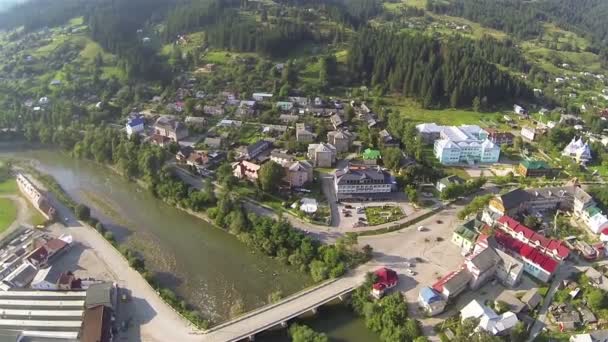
x: 83, y: 212
x: 109, y: 236
x: 100, y: 228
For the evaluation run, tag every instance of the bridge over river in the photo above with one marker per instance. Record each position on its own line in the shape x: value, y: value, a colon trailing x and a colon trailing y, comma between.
x: 267, y: 317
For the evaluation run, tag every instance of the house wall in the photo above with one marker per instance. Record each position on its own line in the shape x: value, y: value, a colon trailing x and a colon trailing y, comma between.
x: 536, y: 271
x: 324, y: 159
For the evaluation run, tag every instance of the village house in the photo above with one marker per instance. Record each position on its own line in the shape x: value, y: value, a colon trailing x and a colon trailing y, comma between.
x: 303, y: 133
x: 535, y: 168
x: 288, y: 118
x: 246, y: 170
x: 261, y: 96
x: 336, y: 121
x: 246, y: 108
x: 578, y: 150
x: 195, y: 122
x: 489, y: 320
x: 213, y: 110
x: 299, y: 100
x: 387, y: 140
x: 500, y: 138
x: 519, y: 110
x: 282, y: 157
x: 528, y: 133
x: 285, y: 105
x: 453, y: 283
x: 386, y: 279
x: 465, y: 236
x: 371, y: 156
x: 342, y: 140
x: 362, y: 182
x: 322, y: 155
x: 445, y: 182
x: 213, y: 142
x: 253, y: 151
x: 298, y: 173
x: 170, y: 128
x: 432, y: 302
x: 135, y: 125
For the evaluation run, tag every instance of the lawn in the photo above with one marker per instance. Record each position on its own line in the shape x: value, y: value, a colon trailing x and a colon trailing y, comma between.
x: 384, y: 214
x: 413, y: 111
x: 8, y: 213
x: 9, y: 187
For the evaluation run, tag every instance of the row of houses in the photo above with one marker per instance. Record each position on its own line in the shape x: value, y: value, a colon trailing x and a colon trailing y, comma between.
x: 570, y: 198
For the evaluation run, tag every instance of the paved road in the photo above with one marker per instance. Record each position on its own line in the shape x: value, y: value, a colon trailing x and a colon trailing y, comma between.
x: 157, y: 321
x: 325, y: 234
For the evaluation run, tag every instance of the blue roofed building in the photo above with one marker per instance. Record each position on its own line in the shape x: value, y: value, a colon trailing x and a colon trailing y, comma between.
x: 432, y: 302
x: 135, y: 125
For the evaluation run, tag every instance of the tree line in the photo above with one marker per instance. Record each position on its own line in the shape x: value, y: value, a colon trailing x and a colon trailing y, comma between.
x: 238, y: 33
x: 440, y: 73
x: 515, y: 17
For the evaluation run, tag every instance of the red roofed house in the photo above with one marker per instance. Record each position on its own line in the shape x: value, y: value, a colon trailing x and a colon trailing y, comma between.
x: 38, y: 257
x: 536, y: 262
x: 553, y: 248
x: 385, y: 279
x: 452, y: 284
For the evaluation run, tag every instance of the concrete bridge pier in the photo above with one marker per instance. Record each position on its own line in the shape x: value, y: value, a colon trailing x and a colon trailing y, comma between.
x: 251, y: 338
x: 283, y: 324
x: 314, y: 311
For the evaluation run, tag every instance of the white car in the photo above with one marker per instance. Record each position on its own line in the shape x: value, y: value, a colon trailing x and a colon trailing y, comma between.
x: 421, y: 228
x: 410, y: 272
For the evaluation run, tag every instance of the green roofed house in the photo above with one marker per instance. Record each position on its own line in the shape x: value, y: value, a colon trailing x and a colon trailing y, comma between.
x: 371, y: 157
x: 466, y: 235
x: 535, y: 168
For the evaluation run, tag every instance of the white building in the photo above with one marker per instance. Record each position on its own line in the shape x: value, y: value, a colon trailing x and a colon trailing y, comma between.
x: 489, y: 320
x: 519, y: 110
x: 135, y: 125
x: 261, y: 96
x: 358, y: 181
x: 578, y: 150
x: 528, y: 133
x: 465, y: 144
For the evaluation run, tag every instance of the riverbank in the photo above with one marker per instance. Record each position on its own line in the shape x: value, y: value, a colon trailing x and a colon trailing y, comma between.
x: 207, y: 267
x: 158, y: 321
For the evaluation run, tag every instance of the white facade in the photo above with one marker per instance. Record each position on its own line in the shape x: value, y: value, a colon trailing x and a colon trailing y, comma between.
x: 261, y: 96
x: 465, y: 144
x: 528, y: 133
x: 578, y: 150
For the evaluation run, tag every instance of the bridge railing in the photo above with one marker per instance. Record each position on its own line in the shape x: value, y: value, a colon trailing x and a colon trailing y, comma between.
x: 270, y: 306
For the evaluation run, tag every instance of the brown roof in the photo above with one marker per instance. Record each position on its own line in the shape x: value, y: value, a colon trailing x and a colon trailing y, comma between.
x: 40, y: 255
x: 96, y: 325
x: 55, y: 244
x: 65, y: 278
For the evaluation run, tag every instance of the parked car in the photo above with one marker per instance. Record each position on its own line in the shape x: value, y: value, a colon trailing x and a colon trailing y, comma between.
x: 421, y: 228
x: 348, y: 206
x: 410, y: 272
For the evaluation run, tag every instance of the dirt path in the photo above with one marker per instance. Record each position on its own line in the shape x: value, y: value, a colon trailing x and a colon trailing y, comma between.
x: 23, y: 214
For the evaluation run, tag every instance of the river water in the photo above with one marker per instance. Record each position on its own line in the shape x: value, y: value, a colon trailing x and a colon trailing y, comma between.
x: 208, y: 267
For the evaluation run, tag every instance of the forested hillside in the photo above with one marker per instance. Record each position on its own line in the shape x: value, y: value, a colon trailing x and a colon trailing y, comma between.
x: 384, y: 44
x: 439, y: 72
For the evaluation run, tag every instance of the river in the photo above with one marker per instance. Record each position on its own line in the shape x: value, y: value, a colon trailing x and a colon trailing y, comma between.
x: 208, y: 267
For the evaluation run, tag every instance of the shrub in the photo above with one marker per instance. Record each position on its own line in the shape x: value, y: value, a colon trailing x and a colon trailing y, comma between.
x: 82, y: 212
